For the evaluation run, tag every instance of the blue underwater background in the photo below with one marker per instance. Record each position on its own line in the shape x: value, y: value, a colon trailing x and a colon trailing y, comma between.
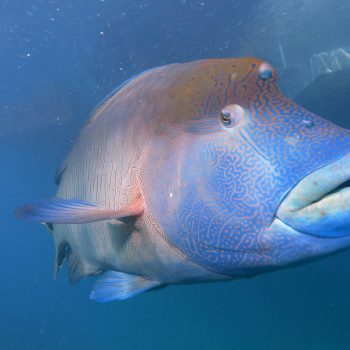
x: 58, y: 59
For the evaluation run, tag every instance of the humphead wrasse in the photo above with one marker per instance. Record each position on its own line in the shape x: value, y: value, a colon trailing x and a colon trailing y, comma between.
x: 197, y: 172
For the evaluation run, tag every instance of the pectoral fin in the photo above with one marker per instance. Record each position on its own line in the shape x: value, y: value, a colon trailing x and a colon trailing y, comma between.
x: 120, y: 286
x: 72, y: 211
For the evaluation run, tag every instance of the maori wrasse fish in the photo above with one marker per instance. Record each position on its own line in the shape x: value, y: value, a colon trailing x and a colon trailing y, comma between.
x: 197, y: 172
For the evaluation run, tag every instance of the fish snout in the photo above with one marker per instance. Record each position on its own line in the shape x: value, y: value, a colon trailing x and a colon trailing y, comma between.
x: 319, y: 204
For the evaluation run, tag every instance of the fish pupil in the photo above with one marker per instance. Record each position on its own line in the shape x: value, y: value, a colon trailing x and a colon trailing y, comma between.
x: 225, y: 118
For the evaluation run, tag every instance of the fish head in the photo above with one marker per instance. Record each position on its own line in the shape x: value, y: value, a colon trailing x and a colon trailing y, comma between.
x: 239, y: 178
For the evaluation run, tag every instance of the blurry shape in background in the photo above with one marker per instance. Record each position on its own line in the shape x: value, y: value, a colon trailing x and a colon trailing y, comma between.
x: 330, y: 62
x: 328, y: 90
x: 328, y: 96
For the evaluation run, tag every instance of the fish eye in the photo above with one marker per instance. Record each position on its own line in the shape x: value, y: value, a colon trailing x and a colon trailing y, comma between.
x: 225, y: 118
x: 231, y: 115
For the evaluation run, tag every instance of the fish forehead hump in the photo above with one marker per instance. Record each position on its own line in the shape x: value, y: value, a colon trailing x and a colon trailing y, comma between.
x: 178, y: 92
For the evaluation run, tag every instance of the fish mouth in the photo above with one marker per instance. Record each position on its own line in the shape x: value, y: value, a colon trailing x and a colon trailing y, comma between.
x: 319, y: 204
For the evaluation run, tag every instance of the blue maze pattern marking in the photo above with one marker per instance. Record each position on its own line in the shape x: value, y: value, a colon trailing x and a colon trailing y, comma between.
x: 222, y: 219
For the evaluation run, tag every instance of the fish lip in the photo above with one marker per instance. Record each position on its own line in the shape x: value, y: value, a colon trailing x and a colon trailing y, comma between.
x: 320, y: 202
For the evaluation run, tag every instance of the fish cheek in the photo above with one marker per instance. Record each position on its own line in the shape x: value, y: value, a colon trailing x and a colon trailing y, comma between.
x: 221, y: 215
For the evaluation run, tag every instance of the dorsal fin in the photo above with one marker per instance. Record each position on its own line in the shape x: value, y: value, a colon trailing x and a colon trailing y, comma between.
x: 121, y: 86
